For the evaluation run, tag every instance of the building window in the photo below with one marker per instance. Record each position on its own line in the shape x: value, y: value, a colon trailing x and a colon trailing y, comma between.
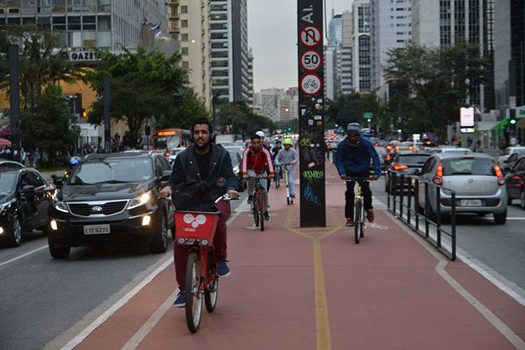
x: 185, y: 64
x: 184, y: 9
x: 184, y: 37
x: 184, y: 51
x: 184, y: 23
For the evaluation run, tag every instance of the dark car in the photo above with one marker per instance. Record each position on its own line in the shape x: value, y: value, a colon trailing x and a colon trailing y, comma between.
x: 236, y: 157
x: 405, y: 163
x: 25, y: 197
x: 513, y: 159
x: 515, y: 182
x: 112, y: 199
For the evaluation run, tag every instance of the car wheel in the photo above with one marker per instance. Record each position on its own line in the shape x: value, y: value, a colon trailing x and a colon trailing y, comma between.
x: 44, y: 231
x: 15, y: 232
x: 160, y: 241
x: 500, y: 219
x: 522, y: 198
x: 58, y: 252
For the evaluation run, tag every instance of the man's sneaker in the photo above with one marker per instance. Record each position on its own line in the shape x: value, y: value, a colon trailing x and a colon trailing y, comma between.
x: 250, y: 199
x: 370, y: 215
x: 292, y: 195
x: 223, y: 269
x: 349, y: 222
x: 266, y: 216
x: 181, y: 300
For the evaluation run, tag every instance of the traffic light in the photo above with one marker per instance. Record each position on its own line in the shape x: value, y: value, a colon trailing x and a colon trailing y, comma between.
x: 512, y: 116
x: 336, y: 125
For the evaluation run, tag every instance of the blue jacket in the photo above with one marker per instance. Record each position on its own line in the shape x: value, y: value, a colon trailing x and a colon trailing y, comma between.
x: 357, y: 159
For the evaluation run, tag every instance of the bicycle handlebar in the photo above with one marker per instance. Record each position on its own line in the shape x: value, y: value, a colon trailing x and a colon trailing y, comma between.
x: 360, y: 179
x: 225, y: 197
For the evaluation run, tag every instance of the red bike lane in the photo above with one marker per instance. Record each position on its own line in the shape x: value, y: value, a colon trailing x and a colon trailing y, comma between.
x: 314, y: 288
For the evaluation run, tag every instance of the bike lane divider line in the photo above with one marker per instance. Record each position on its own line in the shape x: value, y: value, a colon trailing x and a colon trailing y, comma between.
x: 494, y: 320
x: 148, y: 326
x: 324, y: 341
x: 22, y: 256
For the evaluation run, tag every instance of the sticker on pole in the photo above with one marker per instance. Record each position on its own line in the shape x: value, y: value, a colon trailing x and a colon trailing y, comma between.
x: 310, y: 36
x: 311, y: 60
x: 311, y: 84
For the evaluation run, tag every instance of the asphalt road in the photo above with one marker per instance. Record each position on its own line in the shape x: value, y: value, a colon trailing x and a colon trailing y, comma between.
x: 46, y: 300
x: 498, y: 249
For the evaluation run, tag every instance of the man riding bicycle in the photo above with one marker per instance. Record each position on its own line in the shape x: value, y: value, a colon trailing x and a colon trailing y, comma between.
x: 255, y: 160
x: 275, y: 151
x: 288, y: 157
x: 207, y: 166
x: 353, y: 158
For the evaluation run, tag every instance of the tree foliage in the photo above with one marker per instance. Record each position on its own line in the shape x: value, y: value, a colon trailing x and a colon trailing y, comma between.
x: 143, y: 86
x: 42, y: 61
x: 433, y: 83
x: 351, y: 107
x: 182, y: 116
x: 48, y: 127
x: 242, y: 119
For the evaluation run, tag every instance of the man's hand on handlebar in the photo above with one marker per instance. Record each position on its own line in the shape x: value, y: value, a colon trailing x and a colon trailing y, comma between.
x: 270, y: 176
x: 344, y: 177
x: 165, y: 192
x: 233, y: 194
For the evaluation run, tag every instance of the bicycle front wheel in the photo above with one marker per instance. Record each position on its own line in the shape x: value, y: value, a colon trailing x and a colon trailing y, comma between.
x: 193, y: 293
x: 211, y: 293
x: 255, y: 212
x: 358, y: 222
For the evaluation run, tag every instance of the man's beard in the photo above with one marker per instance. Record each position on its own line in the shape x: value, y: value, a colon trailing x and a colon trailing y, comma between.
x: 203, y: 147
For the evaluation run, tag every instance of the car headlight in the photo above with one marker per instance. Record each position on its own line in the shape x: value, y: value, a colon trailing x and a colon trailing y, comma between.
x: 61, y: 206
x: 140, y: 200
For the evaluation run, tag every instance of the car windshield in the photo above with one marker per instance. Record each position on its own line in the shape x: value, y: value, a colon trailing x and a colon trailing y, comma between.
x: 468, y: 166
x: 113, y: 170
x: 8, y: 179
x: 413, y: 159
x: 381, y: 151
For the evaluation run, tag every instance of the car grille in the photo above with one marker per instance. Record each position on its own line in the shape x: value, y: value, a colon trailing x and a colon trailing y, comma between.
x: 86, y: 209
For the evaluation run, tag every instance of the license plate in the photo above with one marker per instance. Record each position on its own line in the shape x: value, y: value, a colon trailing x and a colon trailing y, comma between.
x: 97, y: 229
x: 470, y: 202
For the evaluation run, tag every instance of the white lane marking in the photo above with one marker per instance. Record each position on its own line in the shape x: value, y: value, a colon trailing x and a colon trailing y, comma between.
x: 152, y: 322
x: 516, y: 218
x: 121, y: 302
x: 22, y: 256
x: 505, y: 330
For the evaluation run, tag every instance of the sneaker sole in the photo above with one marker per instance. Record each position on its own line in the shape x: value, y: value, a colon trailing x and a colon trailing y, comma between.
x: 226, y: 275
x: 179, y: 305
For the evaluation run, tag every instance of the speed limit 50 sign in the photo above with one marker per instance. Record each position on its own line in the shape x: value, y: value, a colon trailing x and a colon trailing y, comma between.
x: 311, y: 60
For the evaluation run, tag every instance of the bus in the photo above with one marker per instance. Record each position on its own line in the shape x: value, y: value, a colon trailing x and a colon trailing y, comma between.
x: 170, y: 139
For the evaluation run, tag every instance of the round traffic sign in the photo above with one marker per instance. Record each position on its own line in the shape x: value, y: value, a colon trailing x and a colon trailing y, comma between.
x: 310, y: 36
x: 311, y: 60
x: 311, y: 84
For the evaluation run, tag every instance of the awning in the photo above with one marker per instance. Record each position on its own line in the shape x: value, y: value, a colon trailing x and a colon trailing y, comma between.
x: 5, y: 142
x: 501, y: 125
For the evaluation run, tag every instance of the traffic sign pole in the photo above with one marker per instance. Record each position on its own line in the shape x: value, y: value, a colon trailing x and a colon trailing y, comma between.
x: 311, y: 113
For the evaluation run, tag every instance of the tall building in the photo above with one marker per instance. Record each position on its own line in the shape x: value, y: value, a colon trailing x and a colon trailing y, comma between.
x: 332, y: 58
x: 447, y: 22
x: 346, y: 65
x: 90, y: 23
x: 250, y: 80
x: 390, y: 28
x: 361, y: 50
x: 509, y: 56
x: 229, y: 50
x: 190, y: 25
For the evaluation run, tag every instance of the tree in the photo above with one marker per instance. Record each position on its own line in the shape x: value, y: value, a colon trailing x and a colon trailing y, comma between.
x: 143, y: 86
x: 49, y: 126
x: 351, y: 107
x: 243, y: 120
x: 182, y: 116
x: 42, y: 61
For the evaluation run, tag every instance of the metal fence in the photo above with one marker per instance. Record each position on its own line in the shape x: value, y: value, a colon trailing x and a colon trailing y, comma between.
x: 404, y: 202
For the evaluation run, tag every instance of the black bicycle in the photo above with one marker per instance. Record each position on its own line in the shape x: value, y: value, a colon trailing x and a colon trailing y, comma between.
x: 359, y: 208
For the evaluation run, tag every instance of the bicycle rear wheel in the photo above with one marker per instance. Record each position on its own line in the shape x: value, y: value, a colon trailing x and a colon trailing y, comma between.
x: 255, y: 211
x: 211, y: 293
x: 358, y: 222
x: 192, y: 292
x: 261, y: 213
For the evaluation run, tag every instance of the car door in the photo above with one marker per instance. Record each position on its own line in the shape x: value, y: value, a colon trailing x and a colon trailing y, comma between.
x: 27, y: 199
x: 516, y: 179
x: 161, y: 165
x: 426, y: 175
x: 43, y: 197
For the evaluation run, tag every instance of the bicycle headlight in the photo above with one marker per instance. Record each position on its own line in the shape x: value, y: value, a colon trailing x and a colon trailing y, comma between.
x: 61, y: 206
x: 140, y: 200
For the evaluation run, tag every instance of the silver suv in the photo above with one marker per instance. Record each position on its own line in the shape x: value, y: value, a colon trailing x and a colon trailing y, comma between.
x: 475, y: 177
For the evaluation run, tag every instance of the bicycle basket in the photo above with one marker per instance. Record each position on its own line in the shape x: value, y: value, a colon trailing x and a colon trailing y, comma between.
x: 195, y: 227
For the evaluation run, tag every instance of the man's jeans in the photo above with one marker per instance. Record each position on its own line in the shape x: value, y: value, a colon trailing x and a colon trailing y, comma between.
x: 264, y: 184
x: 180, y: 252
x: 349, y: 194
x: 291, y: 179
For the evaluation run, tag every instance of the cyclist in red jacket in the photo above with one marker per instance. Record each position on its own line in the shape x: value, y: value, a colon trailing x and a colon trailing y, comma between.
x: 255, y: 160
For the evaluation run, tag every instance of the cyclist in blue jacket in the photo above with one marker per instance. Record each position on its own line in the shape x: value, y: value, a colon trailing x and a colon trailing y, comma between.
x: 354, y: 155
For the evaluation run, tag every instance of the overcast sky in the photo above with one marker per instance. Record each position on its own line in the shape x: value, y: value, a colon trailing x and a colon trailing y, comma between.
x: 272, y: 35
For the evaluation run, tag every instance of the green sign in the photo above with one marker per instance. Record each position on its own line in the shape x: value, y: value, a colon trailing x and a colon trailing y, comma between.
x: 368, y: 115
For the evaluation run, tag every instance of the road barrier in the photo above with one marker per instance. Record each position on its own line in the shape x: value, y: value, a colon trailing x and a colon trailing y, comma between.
x: 403, y: 201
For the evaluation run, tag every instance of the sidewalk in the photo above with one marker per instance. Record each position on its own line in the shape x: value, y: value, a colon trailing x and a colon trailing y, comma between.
x: 314, y: 288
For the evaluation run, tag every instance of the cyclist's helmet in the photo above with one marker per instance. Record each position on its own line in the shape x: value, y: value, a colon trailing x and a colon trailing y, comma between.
x: 260, y: 133
x: 287, y: 142
x: 73, y: 161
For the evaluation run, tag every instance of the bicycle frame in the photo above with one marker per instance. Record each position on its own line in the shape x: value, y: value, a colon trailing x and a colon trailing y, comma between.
x: 359, y: 211
x: 289, y: 199
x: 258, y: 202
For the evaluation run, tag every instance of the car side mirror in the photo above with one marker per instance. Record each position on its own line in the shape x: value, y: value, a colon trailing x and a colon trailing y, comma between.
x: 166, y: 175
x: 28, y: 191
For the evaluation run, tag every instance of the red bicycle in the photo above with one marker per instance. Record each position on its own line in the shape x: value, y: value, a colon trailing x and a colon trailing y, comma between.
x: 196, y: 230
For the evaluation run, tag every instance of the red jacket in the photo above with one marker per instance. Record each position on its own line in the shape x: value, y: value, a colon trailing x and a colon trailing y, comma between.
x: 257, y: 161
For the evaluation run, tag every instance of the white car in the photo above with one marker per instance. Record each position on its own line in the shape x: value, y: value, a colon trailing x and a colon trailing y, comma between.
x: 173, y: 154
x: 507, y: 153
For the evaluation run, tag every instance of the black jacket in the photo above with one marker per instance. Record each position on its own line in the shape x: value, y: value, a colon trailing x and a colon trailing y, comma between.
x: 186, y: 170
